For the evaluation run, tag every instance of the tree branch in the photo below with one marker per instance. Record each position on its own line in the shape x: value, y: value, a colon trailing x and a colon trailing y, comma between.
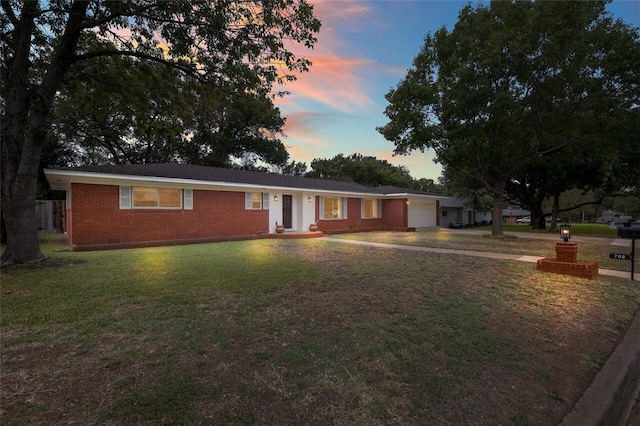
x: 97, y: 54
x: 6, y: 6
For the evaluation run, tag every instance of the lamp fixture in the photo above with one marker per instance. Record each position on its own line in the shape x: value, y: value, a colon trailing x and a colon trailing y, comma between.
x: 308, y: 199
x: 275, y: 198
x: 565, y: 232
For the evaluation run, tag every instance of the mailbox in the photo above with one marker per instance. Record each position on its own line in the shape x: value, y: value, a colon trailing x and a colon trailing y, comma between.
x: 629, y: 231
x: 633, y: 232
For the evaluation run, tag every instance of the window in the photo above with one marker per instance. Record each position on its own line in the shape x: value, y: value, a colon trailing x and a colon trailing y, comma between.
x: 139, y: 197
x: 125, y: 197
x: 156, y: 197
x: 444, y: 213
x: 333, y: 208
x: 256, y: 201
x: 370, y: 208
x: 188, y: 199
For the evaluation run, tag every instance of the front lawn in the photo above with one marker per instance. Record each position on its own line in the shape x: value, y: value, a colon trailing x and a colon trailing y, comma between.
x: 596, y: 250
x: 300, y: 332
x: 584, y: 229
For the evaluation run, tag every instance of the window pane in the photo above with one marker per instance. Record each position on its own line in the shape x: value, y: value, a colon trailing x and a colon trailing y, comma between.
x: 370, y: 208
x: 332, y: 208
x: 256, y: 200
x: 169, y: 197
x: 145, y: 197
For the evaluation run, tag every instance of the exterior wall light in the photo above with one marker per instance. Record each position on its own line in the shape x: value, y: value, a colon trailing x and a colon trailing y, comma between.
x: 275, y: 198
x: 565, y: 232
x: 308, y: 199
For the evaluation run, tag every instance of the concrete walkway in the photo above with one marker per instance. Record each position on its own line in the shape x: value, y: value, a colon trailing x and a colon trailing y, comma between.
x: 615, y: 392
x: 505, y: 256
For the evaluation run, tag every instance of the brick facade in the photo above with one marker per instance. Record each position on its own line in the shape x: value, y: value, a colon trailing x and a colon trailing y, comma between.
x: 95, y: 219
x: 394, y: 217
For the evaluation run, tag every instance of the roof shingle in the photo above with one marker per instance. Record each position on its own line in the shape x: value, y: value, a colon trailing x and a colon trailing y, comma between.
x: 216, y: 174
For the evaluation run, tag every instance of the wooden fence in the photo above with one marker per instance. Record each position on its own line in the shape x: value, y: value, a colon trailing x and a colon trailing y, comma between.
x: 51, y: 216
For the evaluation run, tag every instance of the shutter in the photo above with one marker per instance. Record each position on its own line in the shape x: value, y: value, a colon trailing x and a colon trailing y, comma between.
x: 344, y: 208
x: 265, y: 201
x: 379, y: 208
x: 188, y: 199
x: 363, y: 203
x: 125, y: 198
x: 321, y: 213
x: 248, y: 200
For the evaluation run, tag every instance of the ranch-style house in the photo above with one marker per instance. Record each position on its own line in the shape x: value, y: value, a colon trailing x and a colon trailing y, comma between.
x: 161, y: 204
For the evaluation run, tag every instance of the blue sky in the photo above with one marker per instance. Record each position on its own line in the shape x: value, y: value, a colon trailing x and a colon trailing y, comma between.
x: 364, y: 49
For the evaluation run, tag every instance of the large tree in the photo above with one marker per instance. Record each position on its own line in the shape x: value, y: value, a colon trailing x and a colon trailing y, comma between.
x: 513, y: 82
x: 118, y: 110
x: 237, y: 45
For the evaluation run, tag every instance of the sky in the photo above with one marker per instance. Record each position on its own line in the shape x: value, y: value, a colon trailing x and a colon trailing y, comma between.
x: 364, y: 49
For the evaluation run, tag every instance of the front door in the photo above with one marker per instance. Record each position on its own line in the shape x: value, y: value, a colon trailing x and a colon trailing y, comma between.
x: 287, y: 211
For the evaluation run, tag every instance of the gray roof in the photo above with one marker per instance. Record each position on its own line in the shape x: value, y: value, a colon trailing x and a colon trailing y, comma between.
x: 452, y: 202
x: 235, y: 176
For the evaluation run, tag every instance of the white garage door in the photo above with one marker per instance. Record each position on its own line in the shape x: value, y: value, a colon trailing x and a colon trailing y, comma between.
x: 421, y: 214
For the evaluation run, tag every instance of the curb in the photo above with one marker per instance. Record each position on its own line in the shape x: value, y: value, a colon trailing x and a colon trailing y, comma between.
x: 611, y: 396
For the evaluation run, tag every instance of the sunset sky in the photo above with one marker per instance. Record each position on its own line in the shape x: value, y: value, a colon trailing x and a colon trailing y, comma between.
x: 364, y: 49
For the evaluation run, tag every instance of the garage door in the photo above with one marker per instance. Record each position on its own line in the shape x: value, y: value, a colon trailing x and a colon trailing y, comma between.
x: 421, y: 214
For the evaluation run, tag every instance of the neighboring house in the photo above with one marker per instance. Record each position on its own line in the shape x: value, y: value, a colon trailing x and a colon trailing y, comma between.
x: 158, y: 204
x: 460, y: 211
x: 451, y: 211
x: 510, y: 215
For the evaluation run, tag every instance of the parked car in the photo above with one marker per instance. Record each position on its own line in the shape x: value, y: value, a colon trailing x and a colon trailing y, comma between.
x: 456, y: 225
x: 525, y: 219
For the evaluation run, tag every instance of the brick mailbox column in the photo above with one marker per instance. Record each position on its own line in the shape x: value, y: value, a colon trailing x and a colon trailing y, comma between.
x: 566, y: 262
x: 567, y: 252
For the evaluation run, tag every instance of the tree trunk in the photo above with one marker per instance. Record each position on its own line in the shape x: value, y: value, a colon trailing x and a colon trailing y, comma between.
x: 538, y: 221
x: 19, y: 210
x: 24, y: 129
x: 554, y: 215
x: 497, y: 198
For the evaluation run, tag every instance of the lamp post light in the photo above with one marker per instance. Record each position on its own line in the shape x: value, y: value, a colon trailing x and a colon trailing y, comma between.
x: 565, y: 232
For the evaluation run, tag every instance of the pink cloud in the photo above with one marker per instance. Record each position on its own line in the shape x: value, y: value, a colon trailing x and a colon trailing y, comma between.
x: 333, y: 80
x: 301, y: 126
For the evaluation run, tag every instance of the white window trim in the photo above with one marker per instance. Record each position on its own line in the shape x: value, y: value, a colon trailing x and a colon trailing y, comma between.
x: 126, y: 199
x: 187, y: 202
x: 378, y: 208
x: 248, y: 200
x: 343, y: 207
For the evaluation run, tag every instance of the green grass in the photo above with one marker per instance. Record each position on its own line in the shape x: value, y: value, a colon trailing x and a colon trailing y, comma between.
x: 593, y: 251
x: 301, y: 332
x: 584, y: 229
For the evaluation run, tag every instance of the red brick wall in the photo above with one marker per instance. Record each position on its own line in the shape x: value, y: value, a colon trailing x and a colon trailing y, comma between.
x: 394, y: 216
x: 395, y: 213
x: 96, y: 219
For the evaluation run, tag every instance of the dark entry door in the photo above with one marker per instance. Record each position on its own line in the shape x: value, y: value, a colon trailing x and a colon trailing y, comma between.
x: 287, y: 211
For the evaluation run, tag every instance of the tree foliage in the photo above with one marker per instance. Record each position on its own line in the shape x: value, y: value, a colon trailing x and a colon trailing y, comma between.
x: 361, y: 169
x: 118, y: 110
x: 513, y: 85
x: 229, y: 46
